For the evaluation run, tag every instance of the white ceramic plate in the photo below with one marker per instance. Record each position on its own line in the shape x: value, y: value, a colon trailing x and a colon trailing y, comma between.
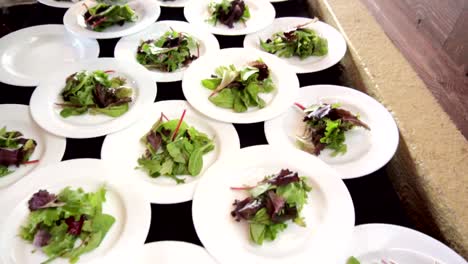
x: 277, y: 101
x: 148, y: 12
x: 127, y: 47
x: 173, y: 252
x: 164, y: 190
x: 173, y: 3
x: 59, y: 4
x: 50, y: 46
x: 276, y: 1
x: 47, y: 114
x: 329, y: 213
x: 402, y: 245
x: 336, y: 43
x: 262, y: 13
x: 367, y: 150
x: 49, y: 149
x: 132, y: 212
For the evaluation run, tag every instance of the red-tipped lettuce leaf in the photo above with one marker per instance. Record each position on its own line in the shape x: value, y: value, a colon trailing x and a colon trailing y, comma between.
x: 246, y: 209
x: 41, y: 238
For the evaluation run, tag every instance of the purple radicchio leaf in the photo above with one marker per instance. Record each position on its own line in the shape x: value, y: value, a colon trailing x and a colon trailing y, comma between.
x: 246, y: 209
x: 43, y: 199
x: 346, y: 116
x: 287, y: 213
x: 10, y: 157
x: 274, y: 203
x: 263, y: 71
x: 235, y: 12
x: 154, y: 139
x: 41, y: 238
x: 74, y: 227
x: 284, y: 177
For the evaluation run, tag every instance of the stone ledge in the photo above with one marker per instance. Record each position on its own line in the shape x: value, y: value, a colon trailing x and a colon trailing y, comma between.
x: 430, y: 168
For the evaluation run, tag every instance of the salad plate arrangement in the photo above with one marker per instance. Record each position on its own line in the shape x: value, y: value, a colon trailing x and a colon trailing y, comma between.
x: 240, y: 86
x: 169, y: 150
x: 347, y: 129
x: 24, y: 146
x: 110, y: 19
x: 270, y: 205
x: 385, y: 243
x: 230, y: 17
x: 51, y: 46
x: 173, y: 3
x: 169, y: 252
x: 166, y: 48
x: 92, y: 98
x: 73, y: 211
x: 305, y: 44
x: 58, y: 3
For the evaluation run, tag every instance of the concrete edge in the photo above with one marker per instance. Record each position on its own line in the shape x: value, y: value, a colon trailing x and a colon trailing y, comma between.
x: 430, y: 168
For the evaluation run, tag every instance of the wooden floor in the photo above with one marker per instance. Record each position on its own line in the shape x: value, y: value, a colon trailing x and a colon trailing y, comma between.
x: 433, y: 36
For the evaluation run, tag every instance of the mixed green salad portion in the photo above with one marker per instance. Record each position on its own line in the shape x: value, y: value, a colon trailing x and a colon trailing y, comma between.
x: 228, y: 12
x: 239, y: 89
x: 104, y: 15
x: 301, y: 41
x: 66, y: 225
x: 173, y: 149
x: 95, y: 92
x: 271, y: 204
x: 168, y: 53
x: 15, y: 150
x: 325, y: 127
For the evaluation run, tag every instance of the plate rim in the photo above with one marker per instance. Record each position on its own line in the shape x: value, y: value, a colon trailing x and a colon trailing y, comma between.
x: 39, y: 112
x: 69, y: 21
x: 208, y: 38
x: 185, y: 194
x: 343, y: 169
x: 58, y: 29
x: 161, y: 3
x: 297, y: 257
x: 301, y: 68
x: 180, y: 244
x: 419, y: 240
x: 267, y: 6
x: 290, y: 92
x: 58, y: 144
x: 140, y: 211
x: 54, y: 3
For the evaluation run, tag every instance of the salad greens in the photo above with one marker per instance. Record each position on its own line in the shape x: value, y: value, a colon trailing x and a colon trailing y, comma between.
x: 173, y: 148
x: 272, y: 202
x: 66, y: 225
x: 301, y: 42
x: 14, y: 150
x: 326, y: 125
x: 238, y: 89
x: 104, y: 15
x: 353, y: 260
x: 95, y: 92
x: 170, y: 52
x: 228, y: 12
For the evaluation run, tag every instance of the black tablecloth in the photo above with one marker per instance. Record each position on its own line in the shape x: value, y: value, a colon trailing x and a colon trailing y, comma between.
x: 374, y: 198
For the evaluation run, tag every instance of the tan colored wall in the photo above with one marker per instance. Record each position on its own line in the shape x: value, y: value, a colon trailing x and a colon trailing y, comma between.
x: 430, y: 169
